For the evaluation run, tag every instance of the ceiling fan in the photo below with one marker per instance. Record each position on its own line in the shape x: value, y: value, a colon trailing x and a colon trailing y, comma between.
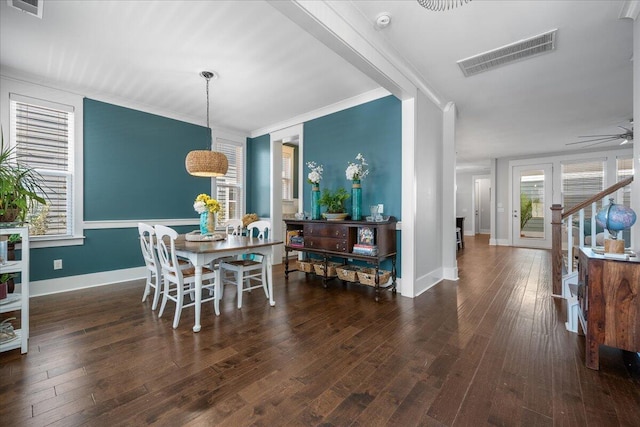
x: 625, y: 137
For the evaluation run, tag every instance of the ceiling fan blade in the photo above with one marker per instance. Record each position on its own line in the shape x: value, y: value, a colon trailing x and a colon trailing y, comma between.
x: 611, y: 138
x: 601, y: 142
x: 592, y: 136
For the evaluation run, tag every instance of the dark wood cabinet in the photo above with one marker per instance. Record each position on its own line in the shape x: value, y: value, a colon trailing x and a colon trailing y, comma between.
x: 609, y: 301
x: 336, y: 239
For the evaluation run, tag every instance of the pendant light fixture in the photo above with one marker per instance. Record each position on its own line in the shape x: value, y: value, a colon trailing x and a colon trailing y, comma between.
x: 206, y: 163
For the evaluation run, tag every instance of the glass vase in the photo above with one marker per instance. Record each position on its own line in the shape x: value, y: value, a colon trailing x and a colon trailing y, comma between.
x: 356, y: 200
x: 315, y: 202
x: 204, y: 222
x: 211, y: 223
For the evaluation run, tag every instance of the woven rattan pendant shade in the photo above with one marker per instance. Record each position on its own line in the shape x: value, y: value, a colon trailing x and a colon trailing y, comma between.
x: 206, y: 163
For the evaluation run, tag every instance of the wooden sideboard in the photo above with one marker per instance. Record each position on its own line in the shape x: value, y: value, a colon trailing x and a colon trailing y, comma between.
x: 609, y: 302
x: 336, y: 239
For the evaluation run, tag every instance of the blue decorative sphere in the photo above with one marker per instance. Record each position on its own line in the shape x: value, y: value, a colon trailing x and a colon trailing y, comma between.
x: 615, y: 217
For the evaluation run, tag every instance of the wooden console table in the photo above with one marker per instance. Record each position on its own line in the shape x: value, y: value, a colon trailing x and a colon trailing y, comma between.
x: 336, y: 239
x: 609, y: 301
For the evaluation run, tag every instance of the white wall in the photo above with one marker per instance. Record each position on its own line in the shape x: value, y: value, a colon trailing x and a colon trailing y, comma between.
x: 428, y: 172
x: 464, y: 200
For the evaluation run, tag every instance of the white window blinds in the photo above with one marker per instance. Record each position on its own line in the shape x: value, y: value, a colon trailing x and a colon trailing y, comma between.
x: 581, y: 180
x: 42, y: 133
x: 229, y: 187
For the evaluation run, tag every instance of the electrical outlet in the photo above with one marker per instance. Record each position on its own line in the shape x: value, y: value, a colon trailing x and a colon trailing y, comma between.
x: 57, y: 264
x: 380, y: 208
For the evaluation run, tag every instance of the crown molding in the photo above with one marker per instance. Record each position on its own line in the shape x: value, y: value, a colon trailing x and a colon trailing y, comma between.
x: 372, y: 95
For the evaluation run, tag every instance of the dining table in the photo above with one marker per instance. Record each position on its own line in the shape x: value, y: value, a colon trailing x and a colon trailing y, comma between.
x: 205, y: 252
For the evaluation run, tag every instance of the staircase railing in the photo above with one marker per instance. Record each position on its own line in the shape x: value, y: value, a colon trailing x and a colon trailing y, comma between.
x: 558, y: 218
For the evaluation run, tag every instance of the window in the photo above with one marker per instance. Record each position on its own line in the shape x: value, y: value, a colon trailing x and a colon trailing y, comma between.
x: 287, y: 172
x: 229, y: 187
x: 43, y: 134
x: 625, y: 170
x: 581, y: 180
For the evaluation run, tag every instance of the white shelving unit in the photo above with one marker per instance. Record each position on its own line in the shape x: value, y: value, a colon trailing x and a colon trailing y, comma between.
x: 18, y: 301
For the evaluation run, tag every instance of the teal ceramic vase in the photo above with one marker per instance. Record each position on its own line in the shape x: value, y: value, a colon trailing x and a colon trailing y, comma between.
x: 315, y: 202
x: 356, y: 200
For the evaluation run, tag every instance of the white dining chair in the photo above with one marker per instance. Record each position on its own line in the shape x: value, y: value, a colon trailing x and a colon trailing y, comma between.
x: 179, y: 282
x: 248, y: 268
x: 153, y: 269
x: 233, y: 227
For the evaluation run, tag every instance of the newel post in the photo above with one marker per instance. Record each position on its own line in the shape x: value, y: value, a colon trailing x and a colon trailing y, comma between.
x: 556, y: 249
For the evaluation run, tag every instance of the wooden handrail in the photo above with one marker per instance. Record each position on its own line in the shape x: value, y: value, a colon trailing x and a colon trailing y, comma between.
x: 615, y: 187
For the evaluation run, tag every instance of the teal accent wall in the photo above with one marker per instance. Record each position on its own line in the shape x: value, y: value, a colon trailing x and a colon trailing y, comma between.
x: 373, y: 129
x: 133, y: 169
x: 134, y: 164
x: 258, y: 175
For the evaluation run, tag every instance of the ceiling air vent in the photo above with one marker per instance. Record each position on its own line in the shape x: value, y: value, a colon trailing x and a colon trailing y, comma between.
x: 32, y: 7
x: 510, y: 53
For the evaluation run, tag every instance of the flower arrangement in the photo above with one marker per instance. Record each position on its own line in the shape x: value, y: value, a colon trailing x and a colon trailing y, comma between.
x: 315, y: 175
x: 204, y: 203
x: 357, y: 170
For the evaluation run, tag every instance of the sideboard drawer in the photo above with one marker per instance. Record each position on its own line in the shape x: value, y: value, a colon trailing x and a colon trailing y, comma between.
x: 326, y: 230
x: 326, y: 243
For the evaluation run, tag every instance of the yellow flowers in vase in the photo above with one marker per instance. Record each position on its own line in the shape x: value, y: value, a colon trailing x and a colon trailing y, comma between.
x: 207, y: 207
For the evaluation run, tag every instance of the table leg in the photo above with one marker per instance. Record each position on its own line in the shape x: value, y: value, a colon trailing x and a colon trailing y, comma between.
x: 286, y: 264
x: 218, y: 291
x: 198, y: 303
x: 377, y: 282
x: 270, y: 277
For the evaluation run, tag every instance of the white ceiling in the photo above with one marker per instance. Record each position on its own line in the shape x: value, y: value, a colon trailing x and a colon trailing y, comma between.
x: 148, y: 54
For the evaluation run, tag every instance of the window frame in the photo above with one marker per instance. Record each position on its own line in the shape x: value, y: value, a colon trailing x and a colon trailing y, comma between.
x: 241, y: 179
x: 46, y: 96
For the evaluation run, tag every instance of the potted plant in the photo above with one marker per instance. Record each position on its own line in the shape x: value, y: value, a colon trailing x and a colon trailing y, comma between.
x: 334, y: 202
x: 19, y: 187
x: 5, y: 280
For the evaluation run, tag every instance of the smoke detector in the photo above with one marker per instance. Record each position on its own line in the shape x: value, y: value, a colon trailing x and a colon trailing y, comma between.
x: 383, y: 20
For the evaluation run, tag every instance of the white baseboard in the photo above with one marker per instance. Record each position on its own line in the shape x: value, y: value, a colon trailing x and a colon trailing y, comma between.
x: 427, y: 281
x: 83, y: 281
x: 450, y: 273
x: 499, y: 242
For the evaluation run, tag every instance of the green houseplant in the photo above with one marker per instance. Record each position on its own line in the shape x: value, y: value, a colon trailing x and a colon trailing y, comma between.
x: 19, y: 186
x: 334, y: 200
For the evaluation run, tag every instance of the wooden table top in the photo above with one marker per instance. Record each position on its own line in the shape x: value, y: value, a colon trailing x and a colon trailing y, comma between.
x: 228, y: 244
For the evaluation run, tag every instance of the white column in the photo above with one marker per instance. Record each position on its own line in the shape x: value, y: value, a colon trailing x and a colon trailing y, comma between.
x: 407, y: 283
x: 635, y: 187
x: 449, y: 261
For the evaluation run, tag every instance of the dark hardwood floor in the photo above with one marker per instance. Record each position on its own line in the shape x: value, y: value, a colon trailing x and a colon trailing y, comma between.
x: 490, y: 349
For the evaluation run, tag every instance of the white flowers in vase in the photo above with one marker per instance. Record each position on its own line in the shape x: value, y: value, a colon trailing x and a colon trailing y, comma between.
x: 357, y: 171
x: 315, y: 175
